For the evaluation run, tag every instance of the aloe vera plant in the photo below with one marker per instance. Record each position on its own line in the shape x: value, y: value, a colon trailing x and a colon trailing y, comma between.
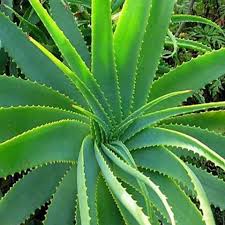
x: 103, y: 143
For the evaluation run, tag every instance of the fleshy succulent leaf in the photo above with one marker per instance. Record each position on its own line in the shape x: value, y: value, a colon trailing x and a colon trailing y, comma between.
x: 211, y: 139
x: 62, y: 206
x: 189, y: 76
x: 212, y: 120
x: 16, y: 92
x: 103, y: 62
x: 69, y: 53
x: 87, y: 175
x: 179, y: 18
x: 139, y: 176
x: 119, y: 191
x: 201, y: 195
x: 63, y: 16
x: 167, y: 137
x: 48, y: 74
x: 108, y: 212
x: 152, y: 48
x: 42, y: 145
x: 151, y: 119
x: 189, y: 44
x: 130, y: 30
x: 12, y: 119
x: 31, y: 192
x: 101, y: 137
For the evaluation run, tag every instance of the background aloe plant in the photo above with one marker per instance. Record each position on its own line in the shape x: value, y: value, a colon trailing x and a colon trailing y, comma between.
x: 104, y: 141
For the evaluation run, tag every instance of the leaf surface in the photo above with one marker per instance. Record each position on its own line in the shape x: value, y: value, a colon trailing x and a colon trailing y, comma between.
x: 57, y: 141
x: 129, y: 31
x: 12, y: 119
x: 152, y: 48
x: 32, y: 62
x: 103, y: 62
x: 30, y: 193
x: 62, y: 206
x: 191, y: 75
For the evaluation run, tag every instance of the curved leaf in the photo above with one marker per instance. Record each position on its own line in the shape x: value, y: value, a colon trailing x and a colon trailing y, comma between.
x: 86, y: 92
x: 108, y: 212
x: 69, y: 53
x: 87, y: 175
x: 162, y: 136
x: 62, y: 206
x: 103, y: 62
x: 130, y: 31
x: 181, y: 205
x: 201, y: 195
x: 152, y: 48
x: 152, y: 118
x: 167, y: 165
x: 189, y: 44
x: 31, y: 192
x: 211, y: 139
x: 15, y: 92
x: 178, y: 18
x: 139, y: 176
x: 11, y: 38
x: 189, y: 76
x: 118, y: 190
x: 212, y: 120
x: 57, y: 141
x: 12, y: 119
x: 61, y: 13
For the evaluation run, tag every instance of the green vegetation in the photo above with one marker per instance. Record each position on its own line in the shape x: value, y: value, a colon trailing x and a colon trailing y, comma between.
x: 92, y: 125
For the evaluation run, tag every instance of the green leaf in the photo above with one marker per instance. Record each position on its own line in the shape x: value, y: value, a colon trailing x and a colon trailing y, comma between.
x: 213, y: 186
x: 30, y: 59
x: 128, y: 120
x: 69, y: 53
x: 120, y: 149
x: 154, y: 219
x: 152, y: 48
x: 127, y: 217
x: 30, y: 193
x: 152, y: 118
x: 16, y: 92
x: 212, y: 120
x: 189, y: 44
x: 103, y: 63
x: 211, y: 139
x: 119, y: 192
x: 108, y: 212
x: 128, y: 39
x: 57, y: 141
x: 62, y: 206
x: 63, y: 16
x: 139, y: 176
x: 77, y: 214
x: 87, y: 175
x: 181, y: 205
x: 86, y: 92
x: 13, y: 119
x: 28, y: 27
x: 189, y: 76
x: 180, y: 18
x: 167, y: 165
x: 162, y: 136
x: 200, y: 193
